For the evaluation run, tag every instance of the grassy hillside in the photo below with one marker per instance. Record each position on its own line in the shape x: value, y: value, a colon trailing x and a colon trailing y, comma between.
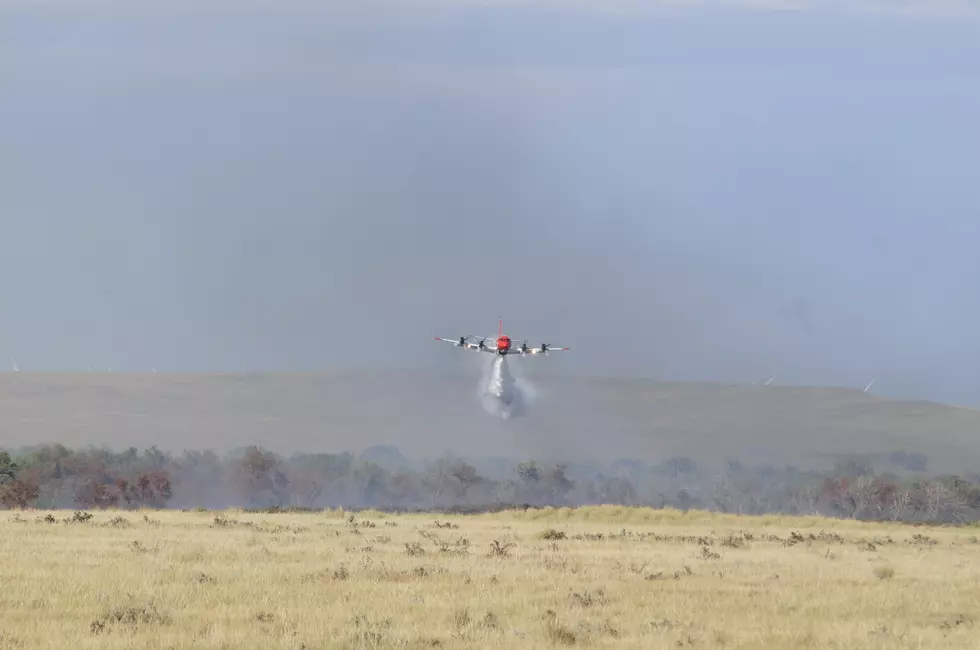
x: 593, y: 577
x: 425, y: 415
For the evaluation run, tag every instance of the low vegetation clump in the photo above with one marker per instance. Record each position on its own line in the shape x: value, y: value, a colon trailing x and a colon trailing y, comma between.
x: 537, y: 578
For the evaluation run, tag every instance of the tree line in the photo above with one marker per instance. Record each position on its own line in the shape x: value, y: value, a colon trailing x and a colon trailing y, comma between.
x: 54, y: 476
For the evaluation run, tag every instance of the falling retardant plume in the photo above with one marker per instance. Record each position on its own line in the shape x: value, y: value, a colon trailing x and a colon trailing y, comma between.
x: 503, y: 394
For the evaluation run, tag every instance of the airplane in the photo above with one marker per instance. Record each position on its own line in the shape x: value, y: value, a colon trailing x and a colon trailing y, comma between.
x: 501, y: 345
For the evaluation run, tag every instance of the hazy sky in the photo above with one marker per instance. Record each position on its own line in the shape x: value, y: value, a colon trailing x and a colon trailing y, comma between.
x: 719, y: 192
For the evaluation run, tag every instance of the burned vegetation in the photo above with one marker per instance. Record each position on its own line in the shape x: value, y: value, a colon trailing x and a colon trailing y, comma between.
x: 895, y: 487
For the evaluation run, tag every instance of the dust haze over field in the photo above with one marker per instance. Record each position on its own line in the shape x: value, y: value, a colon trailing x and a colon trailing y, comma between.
x: 278, y: 205
x: 703, y: 194
x: 710, y: 195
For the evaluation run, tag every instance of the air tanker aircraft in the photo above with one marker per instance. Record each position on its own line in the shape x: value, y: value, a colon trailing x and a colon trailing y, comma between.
x: 501, y: 345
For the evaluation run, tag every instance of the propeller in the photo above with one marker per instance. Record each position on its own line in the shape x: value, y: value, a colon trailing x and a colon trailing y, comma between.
x: 462, y: 340
x: 544, y: 347
x: 524, y: 347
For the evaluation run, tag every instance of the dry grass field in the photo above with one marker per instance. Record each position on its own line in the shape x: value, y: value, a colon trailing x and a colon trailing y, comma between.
x: 589, y: 577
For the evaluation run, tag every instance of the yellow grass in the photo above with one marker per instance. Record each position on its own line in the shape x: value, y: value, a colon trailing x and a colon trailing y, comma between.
x: 654, y: 579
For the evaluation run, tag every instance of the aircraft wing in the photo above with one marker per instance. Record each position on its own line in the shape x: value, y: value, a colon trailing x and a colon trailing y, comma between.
x: 535, y: 351
x: 467, y: 344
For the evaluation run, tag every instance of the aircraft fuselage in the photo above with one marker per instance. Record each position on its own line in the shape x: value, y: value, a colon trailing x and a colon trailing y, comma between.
x: 503, y: 345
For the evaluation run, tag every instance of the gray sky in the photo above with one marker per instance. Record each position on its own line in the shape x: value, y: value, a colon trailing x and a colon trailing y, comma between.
x: 719, y: 192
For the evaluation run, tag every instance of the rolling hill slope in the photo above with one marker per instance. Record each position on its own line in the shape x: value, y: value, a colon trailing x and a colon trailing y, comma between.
x: 427, y: 414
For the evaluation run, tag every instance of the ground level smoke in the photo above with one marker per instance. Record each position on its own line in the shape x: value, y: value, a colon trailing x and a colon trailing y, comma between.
x: 503, y: 395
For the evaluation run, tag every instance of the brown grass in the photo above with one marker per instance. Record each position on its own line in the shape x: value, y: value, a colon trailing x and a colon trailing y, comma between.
x: 590, y: 577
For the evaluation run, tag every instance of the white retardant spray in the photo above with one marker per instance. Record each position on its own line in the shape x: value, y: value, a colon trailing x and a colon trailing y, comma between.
x: 502, y: 394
